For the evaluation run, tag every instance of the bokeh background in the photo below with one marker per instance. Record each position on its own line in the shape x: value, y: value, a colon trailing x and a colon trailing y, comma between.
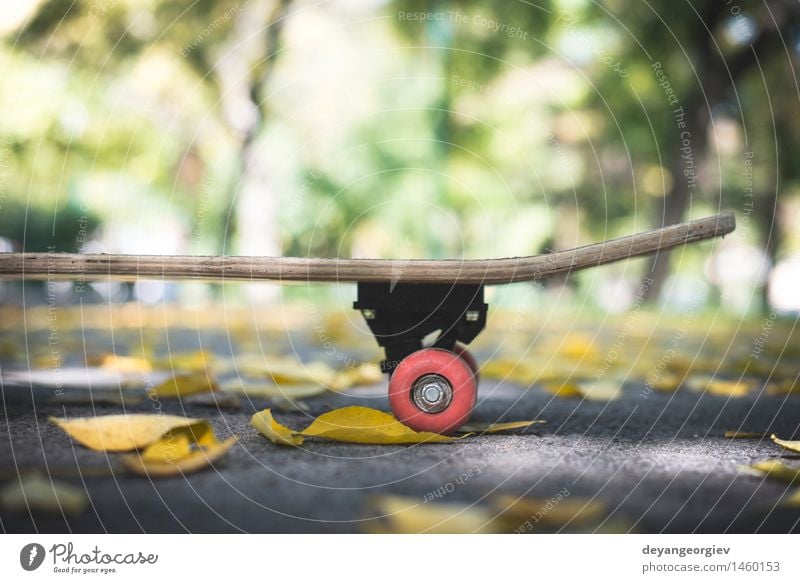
x: 406, y: 130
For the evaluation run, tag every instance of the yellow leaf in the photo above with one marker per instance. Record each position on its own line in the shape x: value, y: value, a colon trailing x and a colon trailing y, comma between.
x: 401, y: 515
x: 601, y: 390
x: 37, y: 494
x: 268, y: 389
x: 496, y: 427
x: 121, y: 432
x: 785, y: 387
x: 793, y: 500
x: 512, y: 370
x: 122, y: 363
x: 578, y: 347
x: 790, y: 445
x: 365, y: 374
x: 274, y: 431
x: 564, y: 390
x: 743, y: 435
x: 554, y: 512
x: 180, y: 451
x: 96, y: 398
x: 777, y: 470
x: 667, y: 383
x: 199, y: 361
x: 365, y: 425
x: 735, y: 388
x: 183, y: 385
x: 287, y: 372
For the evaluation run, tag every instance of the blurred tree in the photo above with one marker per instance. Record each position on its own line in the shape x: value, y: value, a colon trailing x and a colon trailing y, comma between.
x: 686, y: 67
x: 229, y: 46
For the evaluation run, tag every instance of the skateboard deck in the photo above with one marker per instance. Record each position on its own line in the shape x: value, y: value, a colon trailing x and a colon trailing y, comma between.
x: 53, y: 266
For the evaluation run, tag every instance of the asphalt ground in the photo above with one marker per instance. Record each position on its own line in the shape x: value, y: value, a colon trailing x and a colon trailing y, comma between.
x: 657, y: 462
x: 651, y: 460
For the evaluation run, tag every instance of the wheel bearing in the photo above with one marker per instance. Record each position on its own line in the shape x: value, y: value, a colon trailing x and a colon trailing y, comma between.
x: 431, y: 393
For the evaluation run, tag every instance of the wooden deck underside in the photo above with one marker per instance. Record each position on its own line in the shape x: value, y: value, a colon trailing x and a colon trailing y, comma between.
x: 65, y: 266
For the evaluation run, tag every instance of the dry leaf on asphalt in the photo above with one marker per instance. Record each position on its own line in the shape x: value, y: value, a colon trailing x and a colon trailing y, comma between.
x: 601, y: 390
x: 744, y: 435
x: 198, y: 361
x: 785, y: 387
x: 777, y: 470
x: 349, y: 425
x: 274, y: 431
x: 790, y: 445
x: 121, y: 363
x: 37, y: 494
x: 362, y: 375
x: 95, y: 398
x: 401, y: 515
x: 734, y: 388
x: 288, y: 372
x: 269, y: 390
x: 183, y: 385
x: 364, y: 425
x: 547, y: 513
x: 180, y: 451
x: 564, y: 390
x: 793, y: 500
x: 496, y: 427
x: 121, y: 432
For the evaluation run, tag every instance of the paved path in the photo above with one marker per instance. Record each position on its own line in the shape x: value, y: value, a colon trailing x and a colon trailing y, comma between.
x: 658, y: 464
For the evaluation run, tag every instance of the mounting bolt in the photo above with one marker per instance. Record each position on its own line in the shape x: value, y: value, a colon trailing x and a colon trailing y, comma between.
x: 368, y: 314
x: 431, y: 393
x: 473, y: 315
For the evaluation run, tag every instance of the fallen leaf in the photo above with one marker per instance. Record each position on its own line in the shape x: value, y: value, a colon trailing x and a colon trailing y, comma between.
x: 496, y: 427
x: 668, y: 383
x: 118, y: 363
x: 270, y: 390
x: 215, y: 399
x: 601, y: 390
x: 744, y: 435
x: 121, y: 432
x: 785, y: 387
x: 289, y: 406
x: 287, y: 372
x: 793, y: 500
x: 777, y: 470
x: 362, y: 375
x: 512, y: 370
x: 364, y: 425
x: 553, y: 512
x: 37, y: 494
x: 198, y: 361
x: 723, y: 388
x: 564, y: 390
x: 578, y: 347
x: 790, y: 445
x: 183, y: 385
x: 274, y: 431
x: 401, y: 515
x: 180, y: 451
x: 95, y: 398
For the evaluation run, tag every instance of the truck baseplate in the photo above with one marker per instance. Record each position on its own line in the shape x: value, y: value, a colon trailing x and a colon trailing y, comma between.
x: 400, y: 316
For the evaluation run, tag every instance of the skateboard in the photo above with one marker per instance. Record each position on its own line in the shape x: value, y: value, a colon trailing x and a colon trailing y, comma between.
x: 432, y: 386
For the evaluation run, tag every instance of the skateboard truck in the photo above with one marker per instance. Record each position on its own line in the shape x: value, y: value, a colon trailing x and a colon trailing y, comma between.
x: 401, y: 316
x: 431, y: 387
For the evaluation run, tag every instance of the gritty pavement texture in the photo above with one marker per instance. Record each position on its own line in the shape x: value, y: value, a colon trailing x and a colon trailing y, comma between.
x: 657, y: 461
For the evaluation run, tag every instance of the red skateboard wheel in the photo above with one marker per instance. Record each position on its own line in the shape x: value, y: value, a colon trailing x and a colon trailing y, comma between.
x: 461, y: 350
x: 433, y: 390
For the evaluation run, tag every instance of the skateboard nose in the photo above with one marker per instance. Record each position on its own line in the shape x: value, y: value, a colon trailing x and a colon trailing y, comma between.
x: 432, y: 393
